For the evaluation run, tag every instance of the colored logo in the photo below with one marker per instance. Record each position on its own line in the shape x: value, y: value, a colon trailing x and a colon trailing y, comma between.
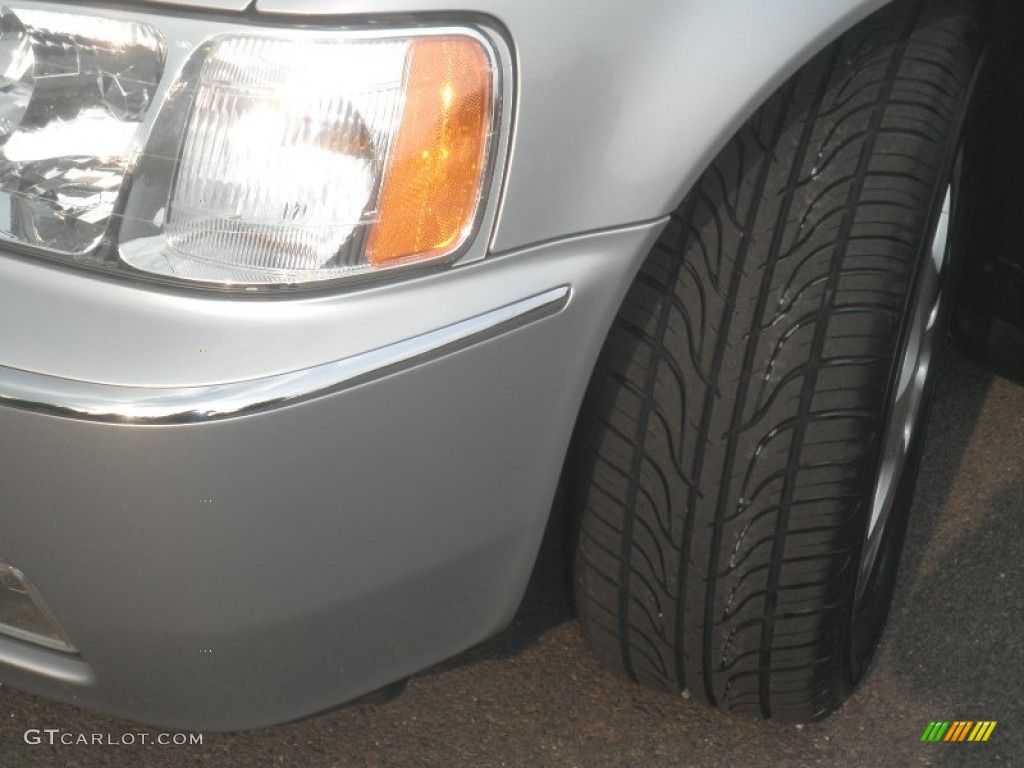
x: 959, y: 730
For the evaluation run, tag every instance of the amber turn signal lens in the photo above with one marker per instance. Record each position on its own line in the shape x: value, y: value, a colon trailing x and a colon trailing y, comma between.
x: 433, y: 182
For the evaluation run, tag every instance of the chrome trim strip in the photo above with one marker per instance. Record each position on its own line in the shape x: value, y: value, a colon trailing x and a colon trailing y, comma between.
x: 89, y: 401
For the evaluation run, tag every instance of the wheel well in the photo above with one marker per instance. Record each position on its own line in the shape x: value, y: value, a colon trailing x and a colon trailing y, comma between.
x: 988, y: 320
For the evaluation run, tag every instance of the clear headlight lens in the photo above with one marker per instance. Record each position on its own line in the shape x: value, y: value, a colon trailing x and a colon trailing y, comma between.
x: 280, y: 162
x: 73, y: 92
x: 274, y: 157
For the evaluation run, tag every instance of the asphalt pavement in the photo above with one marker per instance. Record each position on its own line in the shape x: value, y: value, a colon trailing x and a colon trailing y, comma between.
x: 533, y: 696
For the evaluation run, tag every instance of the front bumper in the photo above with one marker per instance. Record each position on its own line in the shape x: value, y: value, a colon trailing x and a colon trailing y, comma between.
x: 275, y: 554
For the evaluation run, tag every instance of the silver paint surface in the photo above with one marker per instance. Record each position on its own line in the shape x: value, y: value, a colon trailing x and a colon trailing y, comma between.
x: 209, y: 5
x: 321, y: 550
x: 140, y: 406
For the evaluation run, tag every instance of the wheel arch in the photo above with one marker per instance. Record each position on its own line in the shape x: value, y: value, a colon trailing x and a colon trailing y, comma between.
x: 642, y: 98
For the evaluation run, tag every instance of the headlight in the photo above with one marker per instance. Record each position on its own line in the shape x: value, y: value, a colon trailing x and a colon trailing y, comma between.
x: 73, y: 93
x: 267, y: 157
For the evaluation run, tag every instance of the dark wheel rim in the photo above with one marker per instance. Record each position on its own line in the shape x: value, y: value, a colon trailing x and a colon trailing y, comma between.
x: 908, y: 396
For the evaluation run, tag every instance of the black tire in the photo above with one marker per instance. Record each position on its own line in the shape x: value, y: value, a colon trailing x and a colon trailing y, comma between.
x: 731, y: 438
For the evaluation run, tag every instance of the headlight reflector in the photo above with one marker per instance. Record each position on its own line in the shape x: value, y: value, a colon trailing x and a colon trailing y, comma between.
x: 73, y: 93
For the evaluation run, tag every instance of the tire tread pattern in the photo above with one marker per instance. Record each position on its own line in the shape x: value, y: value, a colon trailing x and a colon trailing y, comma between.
x: 730, y: 426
